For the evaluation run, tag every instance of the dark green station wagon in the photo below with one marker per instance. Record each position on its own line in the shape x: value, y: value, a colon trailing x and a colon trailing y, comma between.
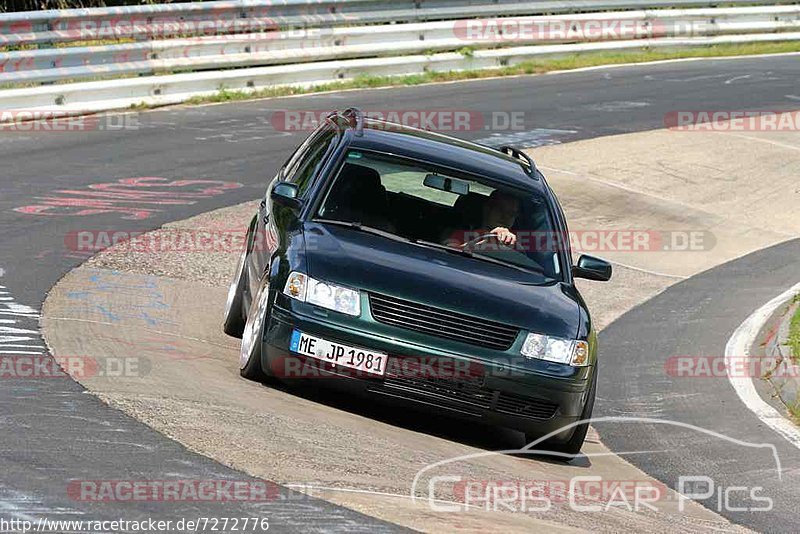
x: 424, y: 271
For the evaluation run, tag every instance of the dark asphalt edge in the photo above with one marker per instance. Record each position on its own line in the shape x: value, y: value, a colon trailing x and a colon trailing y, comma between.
x: 665, y: 437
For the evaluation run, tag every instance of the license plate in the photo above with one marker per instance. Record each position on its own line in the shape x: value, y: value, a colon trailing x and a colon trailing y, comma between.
x: 338, y: 354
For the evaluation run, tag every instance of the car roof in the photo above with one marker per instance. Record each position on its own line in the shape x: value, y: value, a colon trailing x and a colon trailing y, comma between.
x: 445, y: 151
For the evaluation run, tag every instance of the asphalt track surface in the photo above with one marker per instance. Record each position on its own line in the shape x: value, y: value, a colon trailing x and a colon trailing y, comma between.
x: 53, y: 432
x: 696, y: 318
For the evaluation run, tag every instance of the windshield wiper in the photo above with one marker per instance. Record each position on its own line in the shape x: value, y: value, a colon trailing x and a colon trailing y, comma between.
x: 446, y: 248
x: 358, y: 226
x: 468, y: 254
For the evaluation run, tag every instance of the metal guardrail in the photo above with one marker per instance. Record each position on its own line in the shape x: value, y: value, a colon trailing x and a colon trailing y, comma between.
x: 25, y: 26
x: 281, y: 47
x: 300, y: 42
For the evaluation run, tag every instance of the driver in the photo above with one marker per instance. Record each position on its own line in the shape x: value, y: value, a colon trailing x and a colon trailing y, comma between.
x: 497, y: 215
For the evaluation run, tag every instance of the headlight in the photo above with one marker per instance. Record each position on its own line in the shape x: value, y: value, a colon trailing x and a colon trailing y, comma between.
x: 305, y: 289
x: 555, y: 349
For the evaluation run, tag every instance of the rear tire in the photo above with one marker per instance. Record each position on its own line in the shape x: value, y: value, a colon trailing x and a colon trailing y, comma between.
x: 253, y: 337
x: 574, y: 444
x: 234, y: 322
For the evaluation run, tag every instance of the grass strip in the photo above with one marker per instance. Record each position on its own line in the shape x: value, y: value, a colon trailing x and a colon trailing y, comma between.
x: 541, y: 66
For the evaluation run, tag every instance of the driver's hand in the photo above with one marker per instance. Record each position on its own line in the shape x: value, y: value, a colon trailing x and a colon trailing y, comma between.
x: 504, y: 235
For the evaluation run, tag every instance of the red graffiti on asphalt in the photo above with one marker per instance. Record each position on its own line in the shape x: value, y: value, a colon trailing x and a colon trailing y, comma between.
x: 132, y: 198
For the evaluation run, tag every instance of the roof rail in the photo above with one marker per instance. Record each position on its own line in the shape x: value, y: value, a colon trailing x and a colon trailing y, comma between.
x: 519, y: 154
x: 358, y: 116
x: 352, y: 115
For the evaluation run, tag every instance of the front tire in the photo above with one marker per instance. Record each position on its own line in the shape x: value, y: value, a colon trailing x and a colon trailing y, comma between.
x: 234, y: 322
x: 253, y: 337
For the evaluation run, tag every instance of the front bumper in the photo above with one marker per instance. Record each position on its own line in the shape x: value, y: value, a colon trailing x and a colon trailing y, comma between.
x: 492, y: 392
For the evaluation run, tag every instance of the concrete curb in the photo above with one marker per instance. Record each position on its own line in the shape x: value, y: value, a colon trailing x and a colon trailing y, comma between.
x: 740, y: 345
x: 784, y: 375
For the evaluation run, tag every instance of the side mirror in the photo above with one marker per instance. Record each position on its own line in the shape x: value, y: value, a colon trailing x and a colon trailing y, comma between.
x: 592, y: 268
x: 285, y: 194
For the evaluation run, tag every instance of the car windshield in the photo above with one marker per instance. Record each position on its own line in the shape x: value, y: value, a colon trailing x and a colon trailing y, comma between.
x: 435, y: 208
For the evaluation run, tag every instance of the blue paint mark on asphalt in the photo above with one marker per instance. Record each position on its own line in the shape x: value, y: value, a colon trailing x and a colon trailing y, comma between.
x: 108, y: 313
x: 150, y: 301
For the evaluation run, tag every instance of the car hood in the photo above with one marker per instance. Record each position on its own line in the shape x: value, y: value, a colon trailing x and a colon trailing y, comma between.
x: 361, y: 260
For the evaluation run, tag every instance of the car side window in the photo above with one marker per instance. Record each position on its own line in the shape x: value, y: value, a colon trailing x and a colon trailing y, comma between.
x: 301, y: 169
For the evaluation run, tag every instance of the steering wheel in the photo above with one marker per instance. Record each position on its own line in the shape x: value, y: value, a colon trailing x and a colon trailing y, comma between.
x: 472, y: 242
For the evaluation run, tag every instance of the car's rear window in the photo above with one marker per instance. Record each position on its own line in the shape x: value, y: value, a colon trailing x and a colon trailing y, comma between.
x: 405, y: 177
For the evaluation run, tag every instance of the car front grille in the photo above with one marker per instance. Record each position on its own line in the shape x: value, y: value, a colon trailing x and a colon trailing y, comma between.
x: 525, y: 406
x: 441, y: 323
x: 469, y: 393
